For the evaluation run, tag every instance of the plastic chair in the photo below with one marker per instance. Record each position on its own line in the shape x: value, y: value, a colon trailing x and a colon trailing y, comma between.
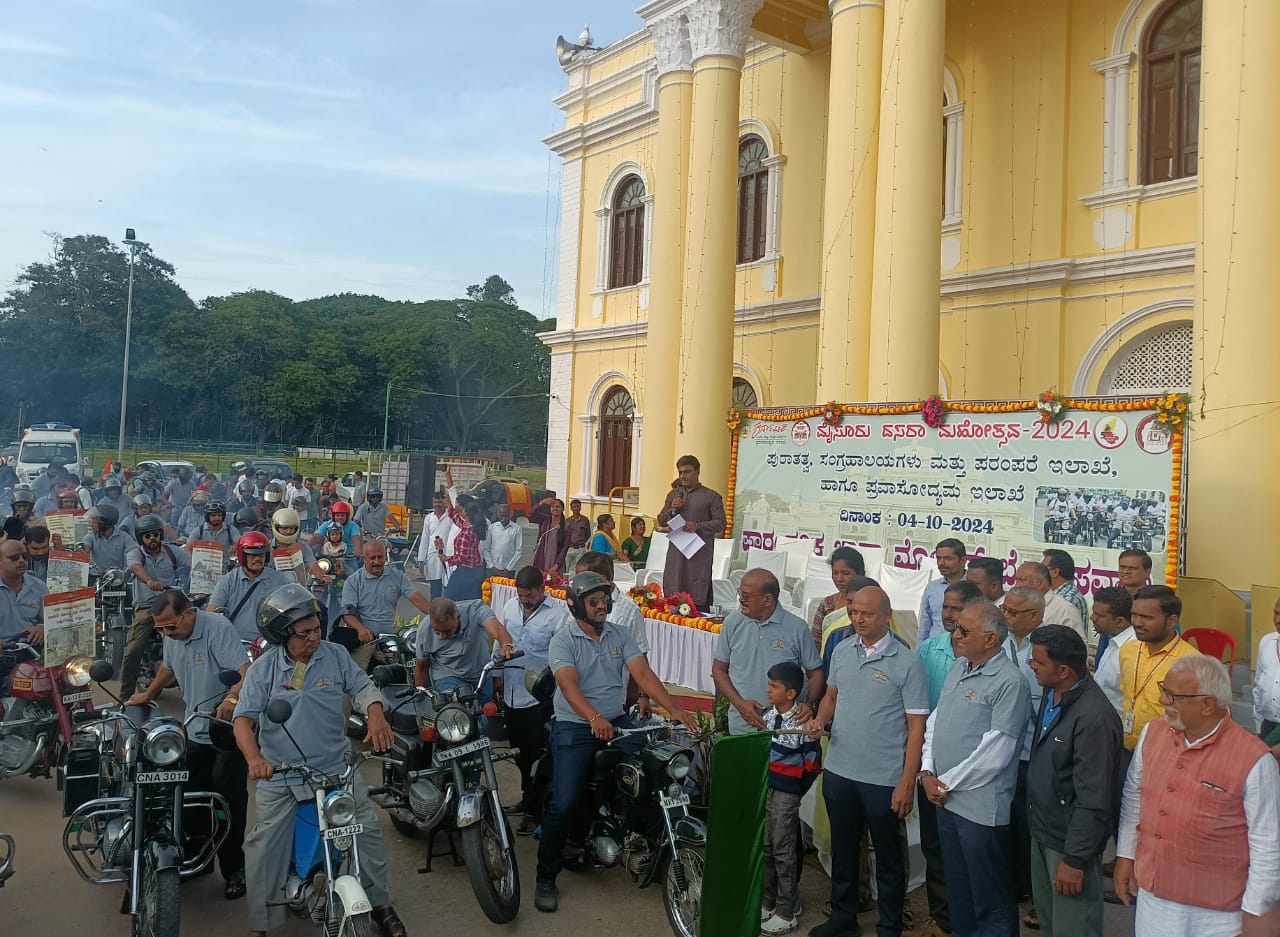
x: 657, y: 559
x: 1212, y: 642
x: 723, y: 555
x: 775, y: 561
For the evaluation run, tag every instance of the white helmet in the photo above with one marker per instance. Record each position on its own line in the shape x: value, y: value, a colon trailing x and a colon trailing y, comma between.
x: 285, y: 517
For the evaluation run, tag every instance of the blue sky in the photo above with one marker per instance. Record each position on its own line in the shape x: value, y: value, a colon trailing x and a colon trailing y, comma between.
x: 303, y: 146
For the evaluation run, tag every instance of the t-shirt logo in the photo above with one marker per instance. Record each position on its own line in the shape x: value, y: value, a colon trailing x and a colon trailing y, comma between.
x: 199, y: 659
x: 615, y: 651
x: 970, y: 695
x: 779, y: 645
x: 323, y: 682
x: 882, y: 676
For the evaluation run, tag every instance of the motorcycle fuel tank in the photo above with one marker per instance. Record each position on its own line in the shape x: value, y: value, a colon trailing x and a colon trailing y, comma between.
x: 31, y: 681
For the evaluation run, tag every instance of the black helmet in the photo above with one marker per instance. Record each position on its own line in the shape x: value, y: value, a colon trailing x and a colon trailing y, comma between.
x: 284, y: 607
x: 22, y: 495
x: 246, y: 517
x: 215, y: 507
x: 374, y: 492
x: 148, y: 524
x: 581, y: 586
x: 540, y: 683
x: 105, y: 514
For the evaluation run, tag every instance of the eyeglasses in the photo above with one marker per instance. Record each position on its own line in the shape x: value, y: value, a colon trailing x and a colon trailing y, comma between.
x: 963, y: 631
x: 1164, y: 691
x: 746, y: 596
x: 1011, y: 612
x: 166, y: 629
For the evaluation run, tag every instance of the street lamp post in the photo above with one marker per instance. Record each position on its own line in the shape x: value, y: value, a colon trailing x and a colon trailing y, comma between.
x: 386, y: 415
x: 132, y: 241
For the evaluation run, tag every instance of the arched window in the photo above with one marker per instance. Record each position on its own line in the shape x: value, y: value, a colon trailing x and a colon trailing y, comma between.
x: 753, y: 199
x: 1171, y: 92
x: 626, y: 241
x: 744, y: 395
x: 1155, y: 363
x: 615, y: 440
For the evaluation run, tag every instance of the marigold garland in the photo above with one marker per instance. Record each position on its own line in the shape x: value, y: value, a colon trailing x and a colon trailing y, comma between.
x: 697, y: 624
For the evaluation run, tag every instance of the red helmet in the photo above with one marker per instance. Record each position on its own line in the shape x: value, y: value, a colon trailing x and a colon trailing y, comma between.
x: 252, y: 544
x: 340, y: 507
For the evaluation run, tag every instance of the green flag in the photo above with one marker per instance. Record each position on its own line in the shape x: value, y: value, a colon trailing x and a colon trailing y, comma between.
x: 735, y: 837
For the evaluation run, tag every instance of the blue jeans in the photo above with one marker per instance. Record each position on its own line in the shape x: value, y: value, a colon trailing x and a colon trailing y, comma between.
x: 979, y: 891
x: 572, y: 747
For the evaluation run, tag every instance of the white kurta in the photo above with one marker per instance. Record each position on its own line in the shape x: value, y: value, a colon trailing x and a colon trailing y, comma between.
x: 432, y: 527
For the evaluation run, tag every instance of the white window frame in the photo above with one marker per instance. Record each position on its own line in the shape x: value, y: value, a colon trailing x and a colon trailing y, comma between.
x: 604, y: 218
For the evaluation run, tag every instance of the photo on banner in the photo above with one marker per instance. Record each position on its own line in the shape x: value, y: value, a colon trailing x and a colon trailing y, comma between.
x: 288, y: 560
x: 207, y: 560
x: 67, y: 571
x: 881, y: 480
x: 68, y: 626
x: 70, y: 526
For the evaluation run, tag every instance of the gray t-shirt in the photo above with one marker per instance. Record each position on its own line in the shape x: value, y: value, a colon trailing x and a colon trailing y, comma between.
x: 108, y: 552
x: 973, y: 702
x: 751, y: 647
x: 232, y: 588
x: 373, y: 520
x: 462, y: 655
x: 374, y: 597
x: 197, y: 661
x: 170, y: 567
x: 601, y: 666
x: 869, y: 730
x: 22, y: 609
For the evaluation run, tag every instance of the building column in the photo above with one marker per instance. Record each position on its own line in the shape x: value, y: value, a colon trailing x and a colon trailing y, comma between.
x: 1234, y: 438
x: 903, y: 348
x: 666, y: 274
x: 849, y: 200
x: 718, y: 31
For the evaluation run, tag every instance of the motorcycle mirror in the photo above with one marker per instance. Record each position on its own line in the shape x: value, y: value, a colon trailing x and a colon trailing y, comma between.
x: 381, y: 675
x: 229, y: 677
x: 279, y: 710
x: 100, y: 671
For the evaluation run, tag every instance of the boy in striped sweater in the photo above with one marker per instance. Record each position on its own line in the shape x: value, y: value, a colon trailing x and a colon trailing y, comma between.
x: 795, y: 761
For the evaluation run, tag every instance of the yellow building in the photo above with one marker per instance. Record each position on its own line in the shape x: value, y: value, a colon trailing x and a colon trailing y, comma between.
x: 793, y: 201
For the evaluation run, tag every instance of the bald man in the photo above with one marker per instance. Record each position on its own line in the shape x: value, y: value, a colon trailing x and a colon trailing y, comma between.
x: 453, y: 644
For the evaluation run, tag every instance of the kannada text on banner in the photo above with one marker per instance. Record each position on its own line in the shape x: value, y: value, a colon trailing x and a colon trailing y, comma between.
x: 1005, y: 484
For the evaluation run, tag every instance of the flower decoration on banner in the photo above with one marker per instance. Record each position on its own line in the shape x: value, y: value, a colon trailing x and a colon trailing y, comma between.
x: 648, y: 596
x: 553, y: 579
x: 734, y: 419
x: 934, y: 411
x: 1173, y: 410
x: 682, y: 604
x: 832, y: 413
x: 1049, y: 407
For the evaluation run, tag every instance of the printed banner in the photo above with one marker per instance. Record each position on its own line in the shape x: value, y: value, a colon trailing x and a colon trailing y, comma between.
x: 67, y: 571
x: 207, y: 560
x: 70, y: 525
x: 1094, y: 482
x: 68, y: 626
x: 289, y: 560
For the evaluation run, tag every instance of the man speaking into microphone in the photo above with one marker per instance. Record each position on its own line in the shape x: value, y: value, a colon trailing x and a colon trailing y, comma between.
x: 702, y: 511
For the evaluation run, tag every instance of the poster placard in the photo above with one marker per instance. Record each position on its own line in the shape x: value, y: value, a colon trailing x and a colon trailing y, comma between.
x: 71, y: 525
x: 68, y: 625
x: 289, y: 561
x: 207, y: 559
x: 67, y: 571
x: 999, y: 478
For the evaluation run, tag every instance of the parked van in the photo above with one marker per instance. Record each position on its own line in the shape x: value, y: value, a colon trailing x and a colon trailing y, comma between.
x: 42, y: 443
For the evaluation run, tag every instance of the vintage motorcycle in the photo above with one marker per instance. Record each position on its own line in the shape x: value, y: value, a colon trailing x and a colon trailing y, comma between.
x: 637, y: 812
x: 126, y: 806
x: 38, y: 719
x: 324, y: 878
x: 112, y: 625
x: 439, y: 777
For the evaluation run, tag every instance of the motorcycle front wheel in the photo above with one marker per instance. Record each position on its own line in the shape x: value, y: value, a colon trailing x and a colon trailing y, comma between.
x: 160, y: 910
x: 682, y: 890
x: 494, y: 876
x: 359, y: 925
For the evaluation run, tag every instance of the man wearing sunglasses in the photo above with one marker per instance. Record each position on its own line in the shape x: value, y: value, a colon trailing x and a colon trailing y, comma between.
x: 969, y: 770
x: 21, y: 602
x: 156, y: 566
x: 1199, y: 843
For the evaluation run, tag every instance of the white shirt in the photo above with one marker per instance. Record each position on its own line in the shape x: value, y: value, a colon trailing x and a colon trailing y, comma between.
x: 1058, y: 611
x: 503, y: 545
x: 1159, y: 917
x: 627, y: 615
x: 432, y: 527
x: 533, y: 636
x: 1266, y: 681
x: 1107, y: 673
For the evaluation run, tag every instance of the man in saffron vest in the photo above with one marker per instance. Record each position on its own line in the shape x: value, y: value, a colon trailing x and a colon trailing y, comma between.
x: 1199, y: 843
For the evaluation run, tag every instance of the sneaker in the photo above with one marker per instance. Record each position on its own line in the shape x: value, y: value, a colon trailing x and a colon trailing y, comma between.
x: 546, y: 897
x: 527, y: 826
x: 832, y: 929
x: 777, y: 925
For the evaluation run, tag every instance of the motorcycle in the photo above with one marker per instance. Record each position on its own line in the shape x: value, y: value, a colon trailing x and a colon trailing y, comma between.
x: 1060, y: 530
x: 440, y: 778
x: 38, y: 718
x: 639, y: 818
x: 126, y: 805
x: 113, y: 628
x: 324, y: 878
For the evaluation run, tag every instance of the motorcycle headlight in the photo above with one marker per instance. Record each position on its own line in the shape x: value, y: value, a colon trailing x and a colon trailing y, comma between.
x: 76, y: 671
x: 454, y: 724
x: 340, y: 808
x: 678, y: 767
x: 112, y: 579
x: 164, y: 744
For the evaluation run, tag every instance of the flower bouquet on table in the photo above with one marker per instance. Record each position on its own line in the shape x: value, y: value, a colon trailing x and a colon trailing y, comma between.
x: 648, y: 596
x: 682, y: 604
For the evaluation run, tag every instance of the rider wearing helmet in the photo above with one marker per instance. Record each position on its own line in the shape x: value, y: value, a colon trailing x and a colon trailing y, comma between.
x: 156, y: 566
x: 372, y: 516
x: 178, y: 491
x: 198, y: 647
x: 107, y: 545
x: 192, y: 515
x: 214, y: 528
x: 115, y: 496
x: 244, y: 497
x: 16, y: 524
x: 593, y: 660
x: 241, y: 590
x: 289, y: 619
x: 49, y: 501
x: 285, y: 525
x: 340, y: 516
x: 43, y: 483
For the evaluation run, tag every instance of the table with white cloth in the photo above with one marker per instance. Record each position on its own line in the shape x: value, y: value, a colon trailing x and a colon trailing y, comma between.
x: 678, y: 655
